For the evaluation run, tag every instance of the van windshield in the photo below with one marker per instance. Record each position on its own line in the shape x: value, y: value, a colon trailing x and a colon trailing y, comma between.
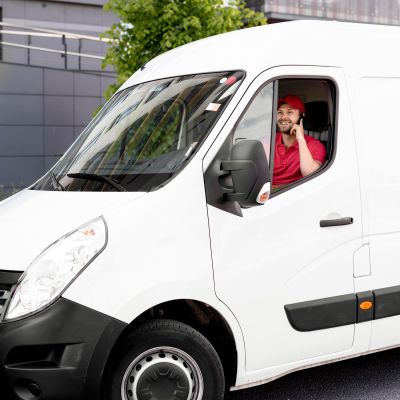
x: 144, y: 135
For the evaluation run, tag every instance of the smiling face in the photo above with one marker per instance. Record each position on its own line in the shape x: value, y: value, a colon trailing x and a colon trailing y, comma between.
x: 287, y: 117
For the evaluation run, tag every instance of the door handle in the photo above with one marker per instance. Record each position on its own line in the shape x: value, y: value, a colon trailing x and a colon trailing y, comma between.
x: 325, y: 223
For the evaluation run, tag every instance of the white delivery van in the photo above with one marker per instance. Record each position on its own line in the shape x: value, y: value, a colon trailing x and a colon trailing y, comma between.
x: 155, y: 261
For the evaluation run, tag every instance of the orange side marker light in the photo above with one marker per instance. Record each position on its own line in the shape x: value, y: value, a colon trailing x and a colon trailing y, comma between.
x: 366, y: 305
x: 264, y: 197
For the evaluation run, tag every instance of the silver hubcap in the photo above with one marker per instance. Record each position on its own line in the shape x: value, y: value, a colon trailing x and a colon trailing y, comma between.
x: 163, y: 373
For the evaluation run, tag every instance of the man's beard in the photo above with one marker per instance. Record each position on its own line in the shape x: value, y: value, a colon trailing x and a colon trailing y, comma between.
x: 286, y: 129
x: 289, y: 127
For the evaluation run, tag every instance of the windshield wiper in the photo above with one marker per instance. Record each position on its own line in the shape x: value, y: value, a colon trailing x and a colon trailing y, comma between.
x: 101, y: 178
x: 55, y: 183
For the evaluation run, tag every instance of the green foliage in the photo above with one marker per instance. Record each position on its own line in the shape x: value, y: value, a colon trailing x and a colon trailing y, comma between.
x: 150, y: 27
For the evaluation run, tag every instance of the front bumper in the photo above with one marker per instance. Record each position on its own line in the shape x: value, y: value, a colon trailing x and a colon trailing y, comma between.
x: 59, y: 353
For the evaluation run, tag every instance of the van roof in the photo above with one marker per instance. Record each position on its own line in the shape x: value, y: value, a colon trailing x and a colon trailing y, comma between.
x: 354, y: 46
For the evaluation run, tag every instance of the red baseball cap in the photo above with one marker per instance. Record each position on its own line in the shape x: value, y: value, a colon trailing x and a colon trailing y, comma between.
x: 293, y: 101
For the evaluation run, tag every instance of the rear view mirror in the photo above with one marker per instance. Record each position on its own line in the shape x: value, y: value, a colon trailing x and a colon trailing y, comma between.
x: 249, y: 170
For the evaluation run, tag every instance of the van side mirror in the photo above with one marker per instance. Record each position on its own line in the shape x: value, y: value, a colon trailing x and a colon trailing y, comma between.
x: 249, y: 170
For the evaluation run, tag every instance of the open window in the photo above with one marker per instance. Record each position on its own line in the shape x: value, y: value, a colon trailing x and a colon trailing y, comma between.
x: 259, y: 121
x: 318, y: 96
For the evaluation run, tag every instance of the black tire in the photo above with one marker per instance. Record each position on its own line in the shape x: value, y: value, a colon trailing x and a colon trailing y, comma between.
x: 165, y: 360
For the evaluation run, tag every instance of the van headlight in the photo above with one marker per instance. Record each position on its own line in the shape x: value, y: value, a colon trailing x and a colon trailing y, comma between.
x: 56, y: 267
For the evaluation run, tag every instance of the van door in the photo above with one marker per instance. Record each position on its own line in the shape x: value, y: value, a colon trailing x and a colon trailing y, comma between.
x: 288, y: 280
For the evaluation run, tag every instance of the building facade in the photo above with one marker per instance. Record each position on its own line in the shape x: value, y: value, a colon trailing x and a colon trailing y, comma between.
x: 368, y: 11
x: 51, y: 81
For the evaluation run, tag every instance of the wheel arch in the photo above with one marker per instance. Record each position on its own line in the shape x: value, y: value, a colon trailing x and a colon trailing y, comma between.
x: 202, y: 317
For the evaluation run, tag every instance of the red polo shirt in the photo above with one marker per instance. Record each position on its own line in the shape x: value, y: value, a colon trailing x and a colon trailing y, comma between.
x: 287, y: 160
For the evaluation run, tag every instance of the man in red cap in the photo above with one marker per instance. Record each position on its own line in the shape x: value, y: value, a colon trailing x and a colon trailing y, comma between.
x: 296, y: 154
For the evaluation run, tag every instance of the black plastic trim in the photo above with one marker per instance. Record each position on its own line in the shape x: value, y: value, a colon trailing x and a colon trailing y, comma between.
x: 9, y: 278
x: 63, y: 350
x: 343, y: 310
x: 324, y: 313
x: 387, y: 302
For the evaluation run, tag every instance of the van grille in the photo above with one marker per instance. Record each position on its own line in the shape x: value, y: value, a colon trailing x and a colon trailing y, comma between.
x: 7, y: 280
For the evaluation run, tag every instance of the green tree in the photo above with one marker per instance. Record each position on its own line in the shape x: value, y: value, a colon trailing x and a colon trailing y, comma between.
x: 150, y: 27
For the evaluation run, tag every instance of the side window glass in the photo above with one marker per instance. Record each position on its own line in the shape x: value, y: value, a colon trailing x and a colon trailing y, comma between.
x: 304, y: 130
x: 256, y: 123
x: 303, y: 117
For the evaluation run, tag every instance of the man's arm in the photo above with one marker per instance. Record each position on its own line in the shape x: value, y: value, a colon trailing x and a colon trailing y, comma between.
x: 308, y: 164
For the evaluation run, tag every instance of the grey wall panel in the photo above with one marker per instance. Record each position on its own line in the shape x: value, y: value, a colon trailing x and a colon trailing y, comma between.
x: 89, y: 64
x: 84, y: 108
x: 15, y: 55
x: 48, y: 42
x: 58, y: 111
x: 83, y: 15
x: 57, y: 139
x: 44, y: 59
x: 44, y: 11
x: 20, y: 79
x: 93, y: 47
x: 73, y: 63
x: 49, y: 162
x: 20, y: 171
x: 78, y: 130
x: 19, y: 39
x: 57, y: 119
x: 58, y: 82
x: 93, y: 2
x: 21, y: 110
x: 87, y: 85
x: 14, y: 8
x: 12, y: 53
x: 21, y: 141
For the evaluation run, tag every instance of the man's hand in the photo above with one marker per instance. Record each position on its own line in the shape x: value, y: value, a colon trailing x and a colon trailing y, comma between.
x: 307, y: 163
x: 298, y: 130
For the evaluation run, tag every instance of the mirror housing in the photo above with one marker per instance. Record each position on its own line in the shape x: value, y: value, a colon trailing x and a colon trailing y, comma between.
x: 249, y: 170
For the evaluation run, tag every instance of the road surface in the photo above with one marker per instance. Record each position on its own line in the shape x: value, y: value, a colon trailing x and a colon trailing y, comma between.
x: 372, y: 377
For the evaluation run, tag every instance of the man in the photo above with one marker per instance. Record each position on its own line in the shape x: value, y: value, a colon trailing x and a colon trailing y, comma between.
x: 296, y: 154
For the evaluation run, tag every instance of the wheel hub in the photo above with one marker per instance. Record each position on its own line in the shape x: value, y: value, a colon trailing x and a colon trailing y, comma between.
x: 163, y: 380
x: 163, y: 374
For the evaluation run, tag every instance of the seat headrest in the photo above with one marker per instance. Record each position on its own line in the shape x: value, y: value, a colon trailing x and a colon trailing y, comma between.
x: 317, y: 116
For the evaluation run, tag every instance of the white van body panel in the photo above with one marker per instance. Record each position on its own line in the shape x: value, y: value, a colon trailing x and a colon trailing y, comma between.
x: 329, y: 43
x: 32, y: 220
x: 158, y: 252
x: 379, y: 143
x: 161, y: 243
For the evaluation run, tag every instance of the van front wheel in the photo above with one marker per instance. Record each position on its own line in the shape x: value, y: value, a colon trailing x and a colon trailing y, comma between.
x: 165, y: 360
